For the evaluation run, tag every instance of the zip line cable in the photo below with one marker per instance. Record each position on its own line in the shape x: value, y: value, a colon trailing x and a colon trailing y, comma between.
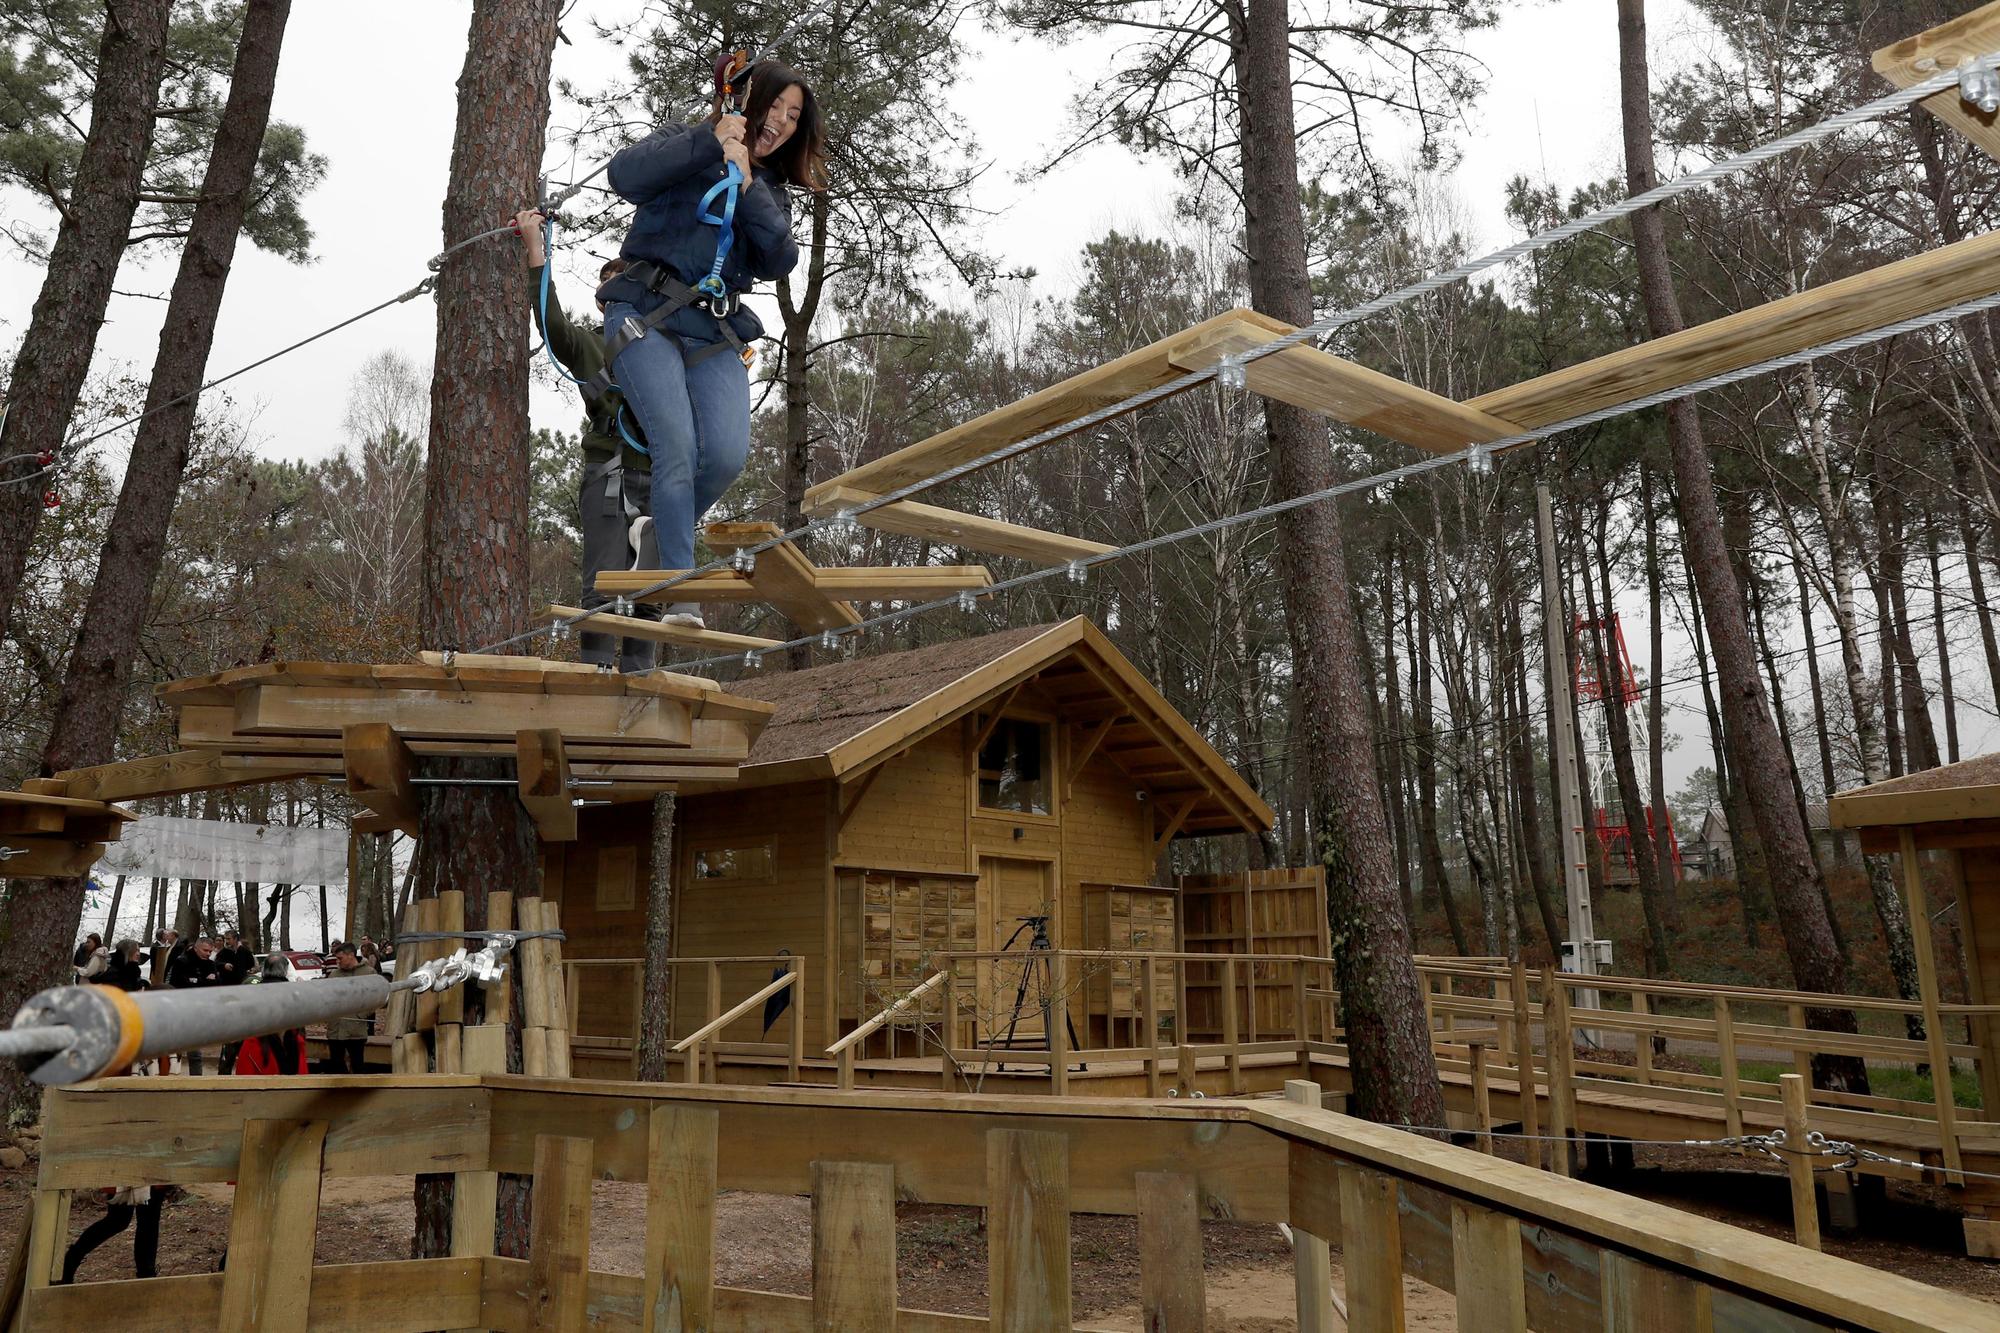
x: 1230, y: 369
x: 1472, y: 457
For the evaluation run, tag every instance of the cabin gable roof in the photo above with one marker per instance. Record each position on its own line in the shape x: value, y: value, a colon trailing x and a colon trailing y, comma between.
x: 841, y: 720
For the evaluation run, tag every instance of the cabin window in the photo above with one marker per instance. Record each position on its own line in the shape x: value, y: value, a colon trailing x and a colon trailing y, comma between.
x: 724, y: 864
x: 1014, y: 767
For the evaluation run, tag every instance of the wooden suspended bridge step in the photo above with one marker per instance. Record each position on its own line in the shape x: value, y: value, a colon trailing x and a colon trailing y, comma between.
x: 810, y: 596
x: 653, y: 631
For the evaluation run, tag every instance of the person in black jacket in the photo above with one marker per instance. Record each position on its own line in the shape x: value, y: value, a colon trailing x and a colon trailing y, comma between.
x: 235, y: 963
x: 194, y: 969
x: 127, y: 968
x: 672, y: 345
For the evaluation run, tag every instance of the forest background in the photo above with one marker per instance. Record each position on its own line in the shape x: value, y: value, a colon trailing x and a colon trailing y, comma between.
x: 979, y: 245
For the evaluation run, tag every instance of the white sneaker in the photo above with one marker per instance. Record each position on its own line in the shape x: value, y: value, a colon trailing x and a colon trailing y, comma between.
x: 684, y: 614
x: 635, y: 537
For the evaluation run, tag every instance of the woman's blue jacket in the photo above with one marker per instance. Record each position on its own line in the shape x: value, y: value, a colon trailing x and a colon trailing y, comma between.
x: 666, y: 174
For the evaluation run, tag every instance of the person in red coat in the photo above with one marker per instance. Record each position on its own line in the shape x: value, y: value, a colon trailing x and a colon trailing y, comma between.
x: 276, y: 1052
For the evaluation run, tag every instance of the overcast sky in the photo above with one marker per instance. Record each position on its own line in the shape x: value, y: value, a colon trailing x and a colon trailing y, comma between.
x: 372, y: 82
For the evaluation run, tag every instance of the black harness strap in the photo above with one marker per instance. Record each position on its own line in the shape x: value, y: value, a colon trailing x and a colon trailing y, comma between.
x: 679, y: 296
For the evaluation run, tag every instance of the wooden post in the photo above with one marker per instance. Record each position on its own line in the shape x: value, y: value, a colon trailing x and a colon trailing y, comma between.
x: 1482, y: 1102
x: 476, y: 1194
x: 796, y: 1055
x: 1562, y: 1092
x: 1640, y: 1298
x: 430, y: 917
x: 1299, y: 1018
x: 1927, y: 991
x: 267, y: 1283
x: 451, y: 918
x: 534, y: 1000
x: 853, y: 1246
x: 1312, y: 1263
x: 1172, y: 1295
x: 1027, y: 1230
x: 1504, y: 1028
x: 948, y: 1029
x: 1524, y: 1068
x: 558, y: 1286
x: 695, y: 1073
x: 680, y: 1219
x: 1642, y: 1049
x: 1371, y: 1249
x: 1486, y: 1268
x: 1056, y: 1023
x: 1230, y: 1029
x: 1149, y: 1018
x: 1795, y: 1016
x: 1725, y: 1042
x: 1805, y: 1203
x: 48, y: 1236
x: 844, y: 1064
x: 1186, y: 1074
x: 499, y: 997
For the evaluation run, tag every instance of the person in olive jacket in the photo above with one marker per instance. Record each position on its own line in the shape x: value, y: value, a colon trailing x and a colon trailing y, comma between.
x: 346, y: 1038
x: 615, y: 498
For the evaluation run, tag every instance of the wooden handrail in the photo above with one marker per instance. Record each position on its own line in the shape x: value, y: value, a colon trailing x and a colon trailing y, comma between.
x: 1694, y: 989
x: 716, y: 1025
x: 874, y: 1025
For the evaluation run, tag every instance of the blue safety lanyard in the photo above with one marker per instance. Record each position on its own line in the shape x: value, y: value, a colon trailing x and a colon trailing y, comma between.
x: 727, y: 188
x: 549, y: 262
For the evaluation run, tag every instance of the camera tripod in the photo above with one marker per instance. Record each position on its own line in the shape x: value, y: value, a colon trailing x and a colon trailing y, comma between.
x: 1032, y: 967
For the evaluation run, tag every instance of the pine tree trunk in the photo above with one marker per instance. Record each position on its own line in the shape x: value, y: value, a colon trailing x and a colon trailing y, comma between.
x: 111, y: 916
x: 1795, y: 880
x: 1968, y: 539
x: 1945, y: 695
x: 476, y: 532
x: 1664, y: 850
x: 1827, y: 780
x: 54, y: 359
x: 656, y: 1019
x: 1395, y: 1075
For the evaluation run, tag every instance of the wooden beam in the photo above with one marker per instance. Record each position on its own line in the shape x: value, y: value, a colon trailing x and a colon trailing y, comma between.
x: 267, y: 1282
x: 653, y: 631
x: 783, y: 577
x: 162, y: 775
x: 970, y: 532
x: 852, y: 801
x: 615, y: 718
x: 1944, y: 47
x: 542, y: 771
x: 886, y: 583
x: 1179, y: 817
x: 1318, y: 381
x: 1086, y: 747
x: 377, y: 764
x: 999, y: 710
x: 1147, y: 368
x: 45, y: 857
x: 1865, y: 808
x: 1913, y: 286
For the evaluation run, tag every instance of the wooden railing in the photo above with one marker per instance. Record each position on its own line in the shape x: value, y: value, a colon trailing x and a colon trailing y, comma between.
x: 1520, y: 1249
x: 1264, y: 1005
x: 714, y: 1020
x: 843, y: 1050
x: 1536, y: 1029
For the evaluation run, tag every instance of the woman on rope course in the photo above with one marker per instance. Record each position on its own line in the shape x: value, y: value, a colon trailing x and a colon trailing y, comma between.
x: 615, y: 499
x: 674, y: 325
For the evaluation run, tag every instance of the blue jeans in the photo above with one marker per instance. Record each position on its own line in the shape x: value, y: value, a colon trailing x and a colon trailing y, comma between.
x: 697, y: 424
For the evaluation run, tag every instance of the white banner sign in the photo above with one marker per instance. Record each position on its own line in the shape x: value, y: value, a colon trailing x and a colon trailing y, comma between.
x: 171, y: 847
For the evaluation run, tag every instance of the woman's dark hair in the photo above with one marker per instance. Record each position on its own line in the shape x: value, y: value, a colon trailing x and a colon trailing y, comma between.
x: 802, y: 158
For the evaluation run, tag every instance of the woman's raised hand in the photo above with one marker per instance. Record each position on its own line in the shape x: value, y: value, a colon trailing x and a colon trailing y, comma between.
x: 738, y: 156
x: 528, y: 223
x: 729, y: 130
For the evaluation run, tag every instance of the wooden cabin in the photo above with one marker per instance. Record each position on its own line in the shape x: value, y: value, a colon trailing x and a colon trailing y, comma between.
x: 922, y: 802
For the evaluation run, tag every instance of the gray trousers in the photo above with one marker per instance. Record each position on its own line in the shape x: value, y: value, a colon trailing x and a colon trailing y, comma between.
x: 611, y: 503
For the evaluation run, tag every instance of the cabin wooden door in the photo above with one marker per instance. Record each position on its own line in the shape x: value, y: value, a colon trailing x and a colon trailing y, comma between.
x: 1010, y: 888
